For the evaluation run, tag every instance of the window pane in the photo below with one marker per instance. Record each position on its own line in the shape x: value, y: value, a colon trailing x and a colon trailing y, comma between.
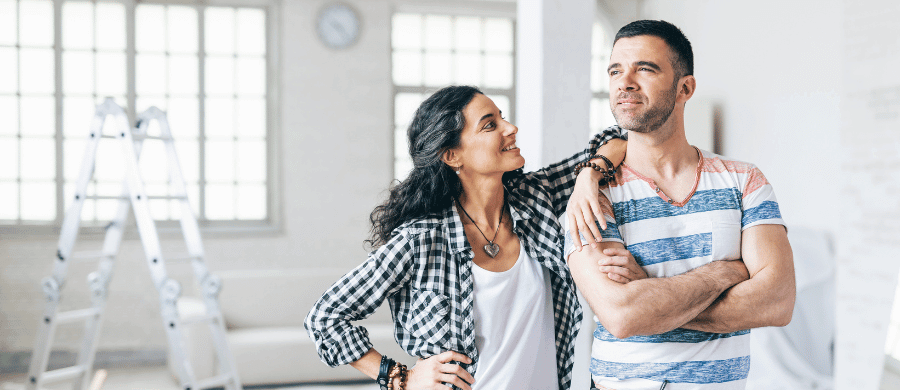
x: 110, y: 26
x: 78, y: 72
x: 189, y: 159
x: 110, y: 160
x: 153, y: 162
x: 251, y: 76
x: 38, y: 116
x: 220, y: 161
x: 38, y: 158
x: 407, y: 68
x: 36, y: 23
x: 78, y: 25
x: 402, y: 162
x: 252, y: 155
x: 151, y: 74
x: 219, y: 75
x: 8, y: 23
x: 183, y: 114
x: 78, y: 112
x: 467, y: 67
x: 498, y: 34
x: 251, y: 117
x: 251, y: 26
x: 183, y: 77
x: 73, y: 154
x: 9, y: 197
x: 468, y: 33
x: 182, y: 29
x: 437, y: 32
x: 38, y: 201
x: 9, y: 68
x: 437, y: 68
x: 219, y: 30
x: 150, y: 28
x: 219, y: 201
x: 9, y: 111
x: 111, y: 67
x: 251, y: 202
x: 219, y: 118
x: 498, y: 71
x: 406, y: 31
x: 37, y: 70
x: 405, y: 105
x: 9, y: 159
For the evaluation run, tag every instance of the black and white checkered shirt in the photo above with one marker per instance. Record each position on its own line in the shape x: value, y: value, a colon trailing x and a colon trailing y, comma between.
x: 425, y: 273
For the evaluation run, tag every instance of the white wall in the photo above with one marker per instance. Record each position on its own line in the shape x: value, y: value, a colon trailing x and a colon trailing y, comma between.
x: 774, y: 67
x: 335, y: 159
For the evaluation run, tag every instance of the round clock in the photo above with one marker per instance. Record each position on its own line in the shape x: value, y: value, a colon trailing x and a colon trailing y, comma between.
x: 338, y: 26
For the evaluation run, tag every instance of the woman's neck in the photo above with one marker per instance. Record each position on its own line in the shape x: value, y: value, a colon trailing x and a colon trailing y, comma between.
x: 483, y: 201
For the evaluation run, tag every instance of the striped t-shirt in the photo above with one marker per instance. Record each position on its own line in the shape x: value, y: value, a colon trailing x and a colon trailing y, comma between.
x: 668, y: 238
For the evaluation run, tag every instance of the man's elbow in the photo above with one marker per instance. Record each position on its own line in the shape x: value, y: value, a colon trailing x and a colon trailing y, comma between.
x: 784, y: 310
x: 621, y: 323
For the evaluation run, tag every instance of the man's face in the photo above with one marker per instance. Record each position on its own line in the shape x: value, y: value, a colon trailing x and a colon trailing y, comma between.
x: 642, y: 84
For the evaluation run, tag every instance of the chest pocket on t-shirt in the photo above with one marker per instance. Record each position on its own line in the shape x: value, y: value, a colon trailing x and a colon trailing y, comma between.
x: 726, y: 239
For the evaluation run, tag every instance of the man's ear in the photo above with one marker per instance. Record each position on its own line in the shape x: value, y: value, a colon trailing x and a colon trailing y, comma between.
x: 451, y: 158
x: 686, y: 87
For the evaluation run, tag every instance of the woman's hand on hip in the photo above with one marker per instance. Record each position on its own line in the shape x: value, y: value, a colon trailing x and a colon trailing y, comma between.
x: 433, y: 372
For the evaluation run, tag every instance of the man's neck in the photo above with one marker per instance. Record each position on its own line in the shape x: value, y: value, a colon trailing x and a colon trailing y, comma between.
x: 661, y: 155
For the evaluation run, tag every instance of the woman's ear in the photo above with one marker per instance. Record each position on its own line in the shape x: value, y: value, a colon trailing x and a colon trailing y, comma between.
x: 451, y: 158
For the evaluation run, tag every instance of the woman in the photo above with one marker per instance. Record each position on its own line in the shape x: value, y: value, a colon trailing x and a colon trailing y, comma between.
x: 469, y: 256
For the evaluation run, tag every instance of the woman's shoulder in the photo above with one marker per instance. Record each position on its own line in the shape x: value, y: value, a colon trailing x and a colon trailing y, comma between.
x: 415, y: 227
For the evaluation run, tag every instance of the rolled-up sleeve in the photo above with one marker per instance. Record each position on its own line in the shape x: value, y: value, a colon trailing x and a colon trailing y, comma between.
x: 559, y: 178
x: 355, y: 297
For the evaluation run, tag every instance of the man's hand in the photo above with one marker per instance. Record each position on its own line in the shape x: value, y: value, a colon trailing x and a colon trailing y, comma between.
x: 433, y: 372
x: 620, y: 266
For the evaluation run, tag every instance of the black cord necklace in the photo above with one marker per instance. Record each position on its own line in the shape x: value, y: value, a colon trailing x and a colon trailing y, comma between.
x: 490, y: 248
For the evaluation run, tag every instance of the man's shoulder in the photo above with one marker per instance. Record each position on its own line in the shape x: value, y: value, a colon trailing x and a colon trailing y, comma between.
x: 715, y: 163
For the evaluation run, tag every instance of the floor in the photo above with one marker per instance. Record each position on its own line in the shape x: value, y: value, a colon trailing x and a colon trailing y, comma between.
x: 158, y: 378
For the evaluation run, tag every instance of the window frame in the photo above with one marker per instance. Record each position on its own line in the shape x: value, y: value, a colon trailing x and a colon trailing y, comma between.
x: 505, y: 10
x: 272, y: 224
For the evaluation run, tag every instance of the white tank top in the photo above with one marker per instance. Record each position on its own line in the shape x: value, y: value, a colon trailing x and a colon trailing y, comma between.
x: 514, y: 330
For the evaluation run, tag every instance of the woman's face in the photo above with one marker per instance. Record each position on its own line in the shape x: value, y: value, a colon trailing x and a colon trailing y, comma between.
x: 488, y: 141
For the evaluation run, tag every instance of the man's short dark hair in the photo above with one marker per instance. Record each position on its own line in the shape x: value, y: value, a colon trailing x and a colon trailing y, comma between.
x: 683, y: 55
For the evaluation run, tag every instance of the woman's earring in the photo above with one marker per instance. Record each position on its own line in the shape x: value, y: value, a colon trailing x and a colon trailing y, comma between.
x: 459, y: 168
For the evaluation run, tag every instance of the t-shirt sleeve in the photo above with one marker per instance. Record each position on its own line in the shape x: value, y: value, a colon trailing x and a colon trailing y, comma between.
x: 611, y: 234
x: 760, y: 207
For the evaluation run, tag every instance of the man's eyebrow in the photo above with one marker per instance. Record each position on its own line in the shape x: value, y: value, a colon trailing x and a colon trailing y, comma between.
x: 648, y: 64
x: 611, y: 66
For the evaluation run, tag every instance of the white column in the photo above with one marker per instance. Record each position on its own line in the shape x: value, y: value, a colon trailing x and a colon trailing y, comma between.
x: 553, y: 70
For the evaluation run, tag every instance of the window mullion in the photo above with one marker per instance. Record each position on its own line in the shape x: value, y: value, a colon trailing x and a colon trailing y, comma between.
x: 130, y: 54
x: 201, y: 105
x: 58, y: 97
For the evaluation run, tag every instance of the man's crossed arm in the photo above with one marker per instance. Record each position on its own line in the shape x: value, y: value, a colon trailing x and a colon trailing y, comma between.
x: 720, y: 297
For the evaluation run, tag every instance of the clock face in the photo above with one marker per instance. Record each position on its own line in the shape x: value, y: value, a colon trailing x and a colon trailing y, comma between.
x: 338, y: 26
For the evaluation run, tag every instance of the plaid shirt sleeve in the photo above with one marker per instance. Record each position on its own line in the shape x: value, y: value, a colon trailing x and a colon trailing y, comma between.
x: 355, y: 297
x: 559, y: 178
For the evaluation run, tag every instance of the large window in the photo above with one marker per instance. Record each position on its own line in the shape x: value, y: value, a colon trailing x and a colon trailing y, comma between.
x: 205, y: 65
x: 601, y: 46
x: 431, y: 51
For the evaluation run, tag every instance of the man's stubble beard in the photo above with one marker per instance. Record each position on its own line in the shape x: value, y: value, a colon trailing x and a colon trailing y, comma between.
x: 651, y: 120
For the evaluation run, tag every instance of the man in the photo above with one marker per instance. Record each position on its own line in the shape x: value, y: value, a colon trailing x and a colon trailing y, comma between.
x: 705, y: 229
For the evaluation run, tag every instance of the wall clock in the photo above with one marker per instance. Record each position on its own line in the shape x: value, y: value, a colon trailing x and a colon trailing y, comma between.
x: 338, y: 26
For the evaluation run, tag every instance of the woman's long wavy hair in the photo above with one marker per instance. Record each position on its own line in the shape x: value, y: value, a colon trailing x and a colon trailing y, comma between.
x: 431, y: 185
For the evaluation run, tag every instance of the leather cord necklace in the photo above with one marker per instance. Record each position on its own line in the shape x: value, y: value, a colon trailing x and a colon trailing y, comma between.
x: 490, y: 248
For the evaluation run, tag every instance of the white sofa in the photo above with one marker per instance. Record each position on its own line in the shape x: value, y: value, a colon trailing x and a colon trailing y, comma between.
x: 264, y: 312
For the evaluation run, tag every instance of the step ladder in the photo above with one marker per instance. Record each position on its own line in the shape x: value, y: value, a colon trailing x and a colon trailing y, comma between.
x: 133, y: 197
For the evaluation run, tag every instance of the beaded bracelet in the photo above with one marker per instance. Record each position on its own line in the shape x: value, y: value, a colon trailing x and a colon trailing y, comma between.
x: 397, y: 371
x: 609, y: 173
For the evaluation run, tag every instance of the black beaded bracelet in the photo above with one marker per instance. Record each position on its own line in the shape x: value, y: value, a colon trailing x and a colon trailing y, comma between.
x: 384, y: 371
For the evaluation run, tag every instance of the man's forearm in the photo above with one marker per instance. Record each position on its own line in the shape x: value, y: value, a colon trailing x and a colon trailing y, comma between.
x: 653, y: 305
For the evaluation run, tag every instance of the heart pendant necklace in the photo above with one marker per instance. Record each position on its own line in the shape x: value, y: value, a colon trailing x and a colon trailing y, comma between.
x: 490, y: 248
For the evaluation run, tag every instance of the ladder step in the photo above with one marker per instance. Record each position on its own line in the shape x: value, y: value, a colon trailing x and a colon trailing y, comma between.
x: 199, y: 319
x: 75, y: 315
x: 142, y: 136
x: 216, y: 381
x: 151, y: 197
x: 62, y: 374
x: 90, y: 255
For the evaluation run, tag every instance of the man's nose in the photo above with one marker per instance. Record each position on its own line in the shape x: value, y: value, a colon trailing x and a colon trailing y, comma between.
x: 626, y: 82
